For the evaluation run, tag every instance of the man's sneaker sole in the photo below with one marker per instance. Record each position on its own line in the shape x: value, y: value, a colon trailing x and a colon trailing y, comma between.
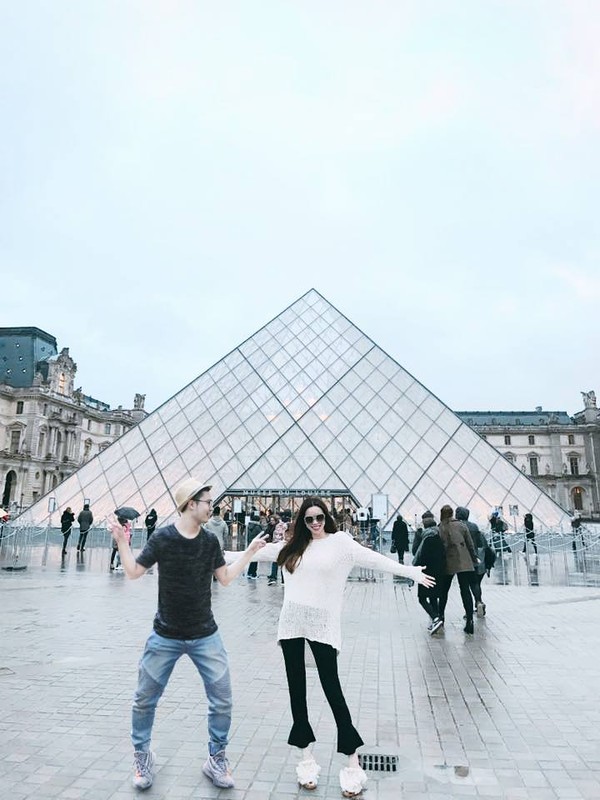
x: 481, y: 609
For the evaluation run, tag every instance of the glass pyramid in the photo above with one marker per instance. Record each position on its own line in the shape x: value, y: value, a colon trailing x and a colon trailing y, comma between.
x: 307, y: 402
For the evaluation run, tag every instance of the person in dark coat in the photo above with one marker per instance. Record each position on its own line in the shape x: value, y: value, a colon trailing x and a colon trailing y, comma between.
x: 150, y: 523
x: 480, y: 544
x: 66, y: 526
x: 254, y: 530
x: 529, y: 533
x: 418, y: 537
x: 400, y: 537
x: 460, y: 558
x: 432, y: 556
x: 85, y: 520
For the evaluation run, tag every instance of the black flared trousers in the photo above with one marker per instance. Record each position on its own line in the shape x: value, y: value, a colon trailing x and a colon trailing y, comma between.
x: 301, y: 735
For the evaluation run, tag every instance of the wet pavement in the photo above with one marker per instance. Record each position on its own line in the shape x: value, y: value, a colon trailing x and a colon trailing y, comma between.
x: 511, y: 712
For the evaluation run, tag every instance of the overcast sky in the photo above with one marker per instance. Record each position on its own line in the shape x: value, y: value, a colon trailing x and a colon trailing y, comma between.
x: 174, y: 174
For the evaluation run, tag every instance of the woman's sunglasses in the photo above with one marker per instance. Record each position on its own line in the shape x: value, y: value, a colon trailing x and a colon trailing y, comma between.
x: 319, y: 518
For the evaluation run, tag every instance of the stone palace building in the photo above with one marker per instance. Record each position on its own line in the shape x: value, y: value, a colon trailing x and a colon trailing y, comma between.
x: 48, y: 428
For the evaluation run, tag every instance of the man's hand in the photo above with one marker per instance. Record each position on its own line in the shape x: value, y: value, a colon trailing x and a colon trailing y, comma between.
x: 257, y: 543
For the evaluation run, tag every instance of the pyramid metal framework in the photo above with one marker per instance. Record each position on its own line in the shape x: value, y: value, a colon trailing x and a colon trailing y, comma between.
x: 307, y: 402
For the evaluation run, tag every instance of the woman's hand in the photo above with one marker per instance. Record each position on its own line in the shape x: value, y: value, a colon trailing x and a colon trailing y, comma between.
x: 422, y: 578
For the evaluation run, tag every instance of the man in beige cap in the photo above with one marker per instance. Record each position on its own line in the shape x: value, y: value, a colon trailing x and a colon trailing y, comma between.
x: 188, y: 556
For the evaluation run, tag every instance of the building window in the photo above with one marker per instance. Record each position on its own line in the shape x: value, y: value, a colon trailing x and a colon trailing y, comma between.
x: 506, y: 439
x: 571, y: 439
x: 20, y: 406
x: 483, y: 436
x: 117, y: 430
x: 107, y: 427
x: 15, y: 441
x: 574, y: 464
x: 89, y: 424
x: 534, y: 466
x: 510, y: 457
x: 577, y: 495
x: 531, y: 439
x: 41, y: 444
x: 45, y: 411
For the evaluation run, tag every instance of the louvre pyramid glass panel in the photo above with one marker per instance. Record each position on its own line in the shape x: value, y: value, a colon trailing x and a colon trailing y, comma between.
x: 308, y: 402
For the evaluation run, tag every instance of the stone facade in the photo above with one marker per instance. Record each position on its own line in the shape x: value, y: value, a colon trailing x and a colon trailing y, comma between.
x: 48, y: 428
x: 560, y: 453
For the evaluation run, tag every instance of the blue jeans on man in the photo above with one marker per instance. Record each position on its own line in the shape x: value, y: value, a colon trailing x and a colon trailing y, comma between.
x: 158, y: 660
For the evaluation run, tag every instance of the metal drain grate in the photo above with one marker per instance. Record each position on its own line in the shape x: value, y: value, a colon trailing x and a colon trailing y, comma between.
x: 377, y: 762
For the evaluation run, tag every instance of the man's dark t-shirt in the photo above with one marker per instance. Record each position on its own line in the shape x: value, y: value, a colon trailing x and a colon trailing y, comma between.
x: 185, y: 569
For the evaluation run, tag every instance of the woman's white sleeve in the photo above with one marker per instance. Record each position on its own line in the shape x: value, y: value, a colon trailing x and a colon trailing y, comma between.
x: 363, y: 557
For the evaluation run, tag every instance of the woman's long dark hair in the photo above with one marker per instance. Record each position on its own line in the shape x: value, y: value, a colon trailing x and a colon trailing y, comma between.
x: 299, y: 536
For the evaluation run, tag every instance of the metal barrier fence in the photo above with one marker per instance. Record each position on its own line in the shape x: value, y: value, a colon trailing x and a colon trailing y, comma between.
x: 557, y: 558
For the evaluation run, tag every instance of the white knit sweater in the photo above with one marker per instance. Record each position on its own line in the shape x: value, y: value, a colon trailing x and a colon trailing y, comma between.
x: 314, y: 592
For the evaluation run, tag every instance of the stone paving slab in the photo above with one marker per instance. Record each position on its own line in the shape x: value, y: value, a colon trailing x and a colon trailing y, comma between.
x: 511, y: 712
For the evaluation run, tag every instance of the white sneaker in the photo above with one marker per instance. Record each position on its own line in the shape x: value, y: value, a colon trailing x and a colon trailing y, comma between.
x: 143, y: 763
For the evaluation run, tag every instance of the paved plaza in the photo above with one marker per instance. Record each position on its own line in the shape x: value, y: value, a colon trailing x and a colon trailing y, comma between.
x: 511, y: 712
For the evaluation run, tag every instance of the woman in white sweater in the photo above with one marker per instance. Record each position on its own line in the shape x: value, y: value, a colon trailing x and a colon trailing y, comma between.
x: 317, y: 560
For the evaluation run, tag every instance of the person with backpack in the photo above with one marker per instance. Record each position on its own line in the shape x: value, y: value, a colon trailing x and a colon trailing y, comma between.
x: 480, y: 544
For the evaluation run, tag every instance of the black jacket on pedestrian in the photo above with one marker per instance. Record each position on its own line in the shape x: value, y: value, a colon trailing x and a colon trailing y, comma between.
x: 150, y: 522
x: 431, y: 554
x: 400, y: 535
x: 66, y: 521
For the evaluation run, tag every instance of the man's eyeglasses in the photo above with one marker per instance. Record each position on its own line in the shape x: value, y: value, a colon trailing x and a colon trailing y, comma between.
x: 210, y: 502
x: 319, y: 518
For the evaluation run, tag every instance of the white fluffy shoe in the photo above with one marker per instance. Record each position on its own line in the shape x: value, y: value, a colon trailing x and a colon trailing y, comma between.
x: 352, y: 781
x: 307, y: 772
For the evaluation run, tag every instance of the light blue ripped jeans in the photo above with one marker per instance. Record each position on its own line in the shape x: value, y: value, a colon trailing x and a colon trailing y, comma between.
x: 156, y: 665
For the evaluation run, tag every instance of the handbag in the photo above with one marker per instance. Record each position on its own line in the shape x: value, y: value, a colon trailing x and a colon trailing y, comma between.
x: 393, y: 548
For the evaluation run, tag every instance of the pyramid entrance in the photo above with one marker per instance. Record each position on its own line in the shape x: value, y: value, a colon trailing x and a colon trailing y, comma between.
x: 309, y: 403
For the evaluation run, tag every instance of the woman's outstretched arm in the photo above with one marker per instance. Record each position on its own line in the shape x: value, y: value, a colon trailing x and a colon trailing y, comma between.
x: 363, y: 557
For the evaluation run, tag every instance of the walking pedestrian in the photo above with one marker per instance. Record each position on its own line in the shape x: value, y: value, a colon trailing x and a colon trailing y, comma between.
x: 431, y: 555
x: 85, y: 520
x: 217, y: 526
x: 254, y: 530
x: 460, y: 558
x: 66, y: 526
x: 316, y: 561
x: 529, y: 533
x: 480, y: 545
x: 400, y: 537
x: 187, y: 556
x: 279, y: 531
x: 418, y: 537
x: 150, y: 523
